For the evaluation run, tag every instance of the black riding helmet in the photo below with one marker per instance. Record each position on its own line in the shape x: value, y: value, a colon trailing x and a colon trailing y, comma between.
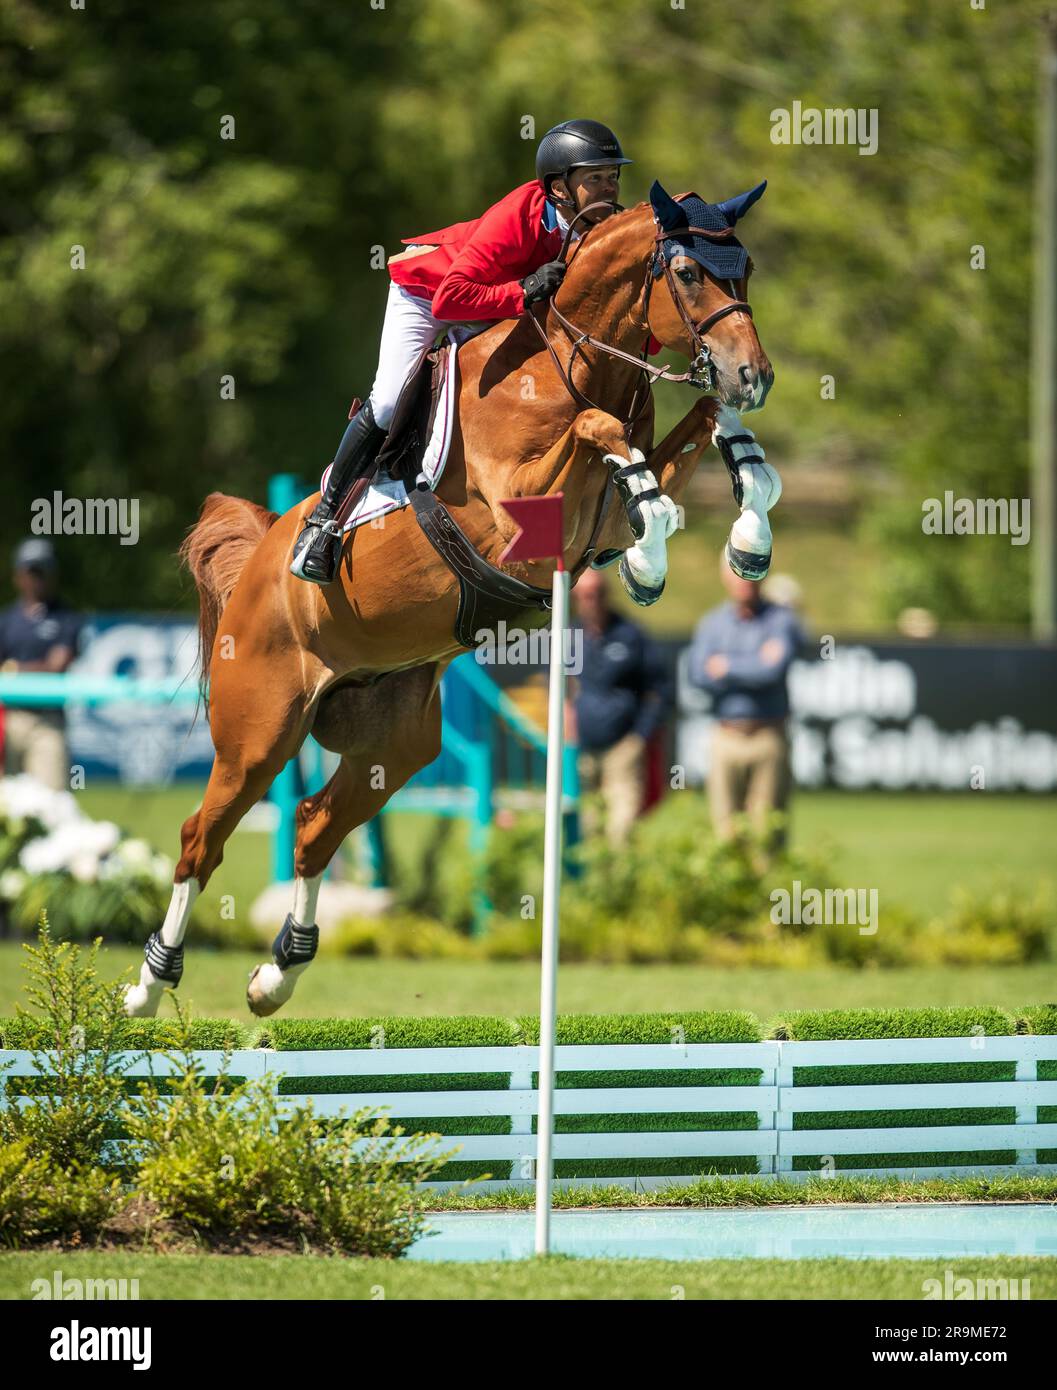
x: 576, y: 145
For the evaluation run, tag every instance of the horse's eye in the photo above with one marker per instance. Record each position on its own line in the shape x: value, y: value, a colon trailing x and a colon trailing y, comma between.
x: 687, y: 276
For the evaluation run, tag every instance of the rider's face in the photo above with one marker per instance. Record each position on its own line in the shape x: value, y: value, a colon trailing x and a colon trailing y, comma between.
x: 587, y: 186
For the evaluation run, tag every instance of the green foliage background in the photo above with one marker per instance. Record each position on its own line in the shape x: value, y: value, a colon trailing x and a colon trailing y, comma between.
x: 362, y: 122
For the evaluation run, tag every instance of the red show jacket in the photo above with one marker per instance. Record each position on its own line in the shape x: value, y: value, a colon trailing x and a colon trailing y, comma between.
x: 472, y: 274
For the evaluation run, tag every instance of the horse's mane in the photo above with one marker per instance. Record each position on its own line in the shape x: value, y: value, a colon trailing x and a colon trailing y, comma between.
x: 596, y: 244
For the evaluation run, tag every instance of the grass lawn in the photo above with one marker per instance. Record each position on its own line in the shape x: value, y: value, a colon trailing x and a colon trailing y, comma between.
x: 558, y: 1277
x: 915, y: 850
x: 214, y: 984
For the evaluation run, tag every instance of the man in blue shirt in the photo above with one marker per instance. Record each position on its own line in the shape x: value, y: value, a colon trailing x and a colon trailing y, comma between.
x: 741, y: 654
x: 623, y: 698
x: 37, y: 634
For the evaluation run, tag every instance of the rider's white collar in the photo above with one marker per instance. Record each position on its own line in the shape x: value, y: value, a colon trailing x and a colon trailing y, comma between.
x: 563, y: 225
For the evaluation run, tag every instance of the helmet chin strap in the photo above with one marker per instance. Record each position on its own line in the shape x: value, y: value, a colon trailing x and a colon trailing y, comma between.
x: 569, y: 204
x: 561, y: 202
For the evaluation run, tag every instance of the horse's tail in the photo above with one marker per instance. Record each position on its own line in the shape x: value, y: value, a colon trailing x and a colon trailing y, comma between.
x: 215, y: 550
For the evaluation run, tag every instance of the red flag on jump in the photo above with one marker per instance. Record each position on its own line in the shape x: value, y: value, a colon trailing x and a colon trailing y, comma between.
x: 540, y: 519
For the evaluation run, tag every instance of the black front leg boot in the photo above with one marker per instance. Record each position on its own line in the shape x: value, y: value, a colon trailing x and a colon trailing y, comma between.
x: 317, y: 550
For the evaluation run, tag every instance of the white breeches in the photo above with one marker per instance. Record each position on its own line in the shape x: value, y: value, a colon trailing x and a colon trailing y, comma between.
x: 408, y: 333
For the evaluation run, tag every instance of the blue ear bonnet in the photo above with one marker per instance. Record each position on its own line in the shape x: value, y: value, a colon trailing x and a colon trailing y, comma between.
x: 726, y: 259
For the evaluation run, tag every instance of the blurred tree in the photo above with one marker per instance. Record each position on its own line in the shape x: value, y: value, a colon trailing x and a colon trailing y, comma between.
x: 355, y: 125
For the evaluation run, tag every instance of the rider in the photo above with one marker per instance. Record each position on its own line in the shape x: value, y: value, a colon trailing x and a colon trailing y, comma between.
x: 481, y: 271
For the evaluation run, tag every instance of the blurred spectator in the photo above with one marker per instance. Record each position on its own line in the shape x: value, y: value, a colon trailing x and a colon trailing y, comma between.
x: 623, y: 698
x: 784, y: 590
x: 741, y: 655
x: 37, y: 634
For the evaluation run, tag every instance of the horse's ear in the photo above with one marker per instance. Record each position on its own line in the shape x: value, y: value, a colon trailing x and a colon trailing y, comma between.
x: 737, y: 207
x: 669, y: 214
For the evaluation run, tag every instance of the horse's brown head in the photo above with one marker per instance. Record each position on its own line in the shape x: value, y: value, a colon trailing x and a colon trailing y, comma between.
x: 695, y: 300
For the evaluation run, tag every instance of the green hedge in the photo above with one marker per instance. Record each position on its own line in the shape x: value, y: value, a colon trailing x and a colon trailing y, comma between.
x: 1039, y: 1018
x: 298, y: 1034
x: 147, y: 1034
x: 325, y: 1034
x: 821, y: 1025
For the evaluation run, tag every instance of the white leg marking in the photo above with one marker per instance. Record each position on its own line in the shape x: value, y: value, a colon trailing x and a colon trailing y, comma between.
x: 306, y: 895
x: 179, y: 913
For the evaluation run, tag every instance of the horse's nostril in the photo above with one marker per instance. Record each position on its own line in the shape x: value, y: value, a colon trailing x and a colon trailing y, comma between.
x: 746, y: 373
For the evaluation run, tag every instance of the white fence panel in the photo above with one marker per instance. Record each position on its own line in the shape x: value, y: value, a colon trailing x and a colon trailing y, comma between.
x: 630, y: 1100
x: 924, y: 1139
x: 383, y: 1061
x: 945, y: 1096
x: 775, y: 1101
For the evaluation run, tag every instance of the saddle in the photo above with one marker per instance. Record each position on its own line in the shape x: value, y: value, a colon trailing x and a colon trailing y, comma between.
x: 487, y: 594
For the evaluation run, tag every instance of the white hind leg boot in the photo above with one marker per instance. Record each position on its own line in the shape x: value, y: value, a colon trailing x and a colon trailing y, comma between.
x: 293, y: 950
x: 163, y: 963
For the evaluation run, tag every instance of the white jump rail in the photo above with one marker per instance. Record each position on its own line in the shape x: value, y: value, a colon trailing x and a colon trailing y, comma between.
x: 774, y: 1144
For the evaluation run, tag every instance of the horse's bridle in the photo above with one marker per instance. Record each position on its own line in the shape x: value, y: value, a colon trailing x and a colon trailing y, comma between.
x: 700, y: 373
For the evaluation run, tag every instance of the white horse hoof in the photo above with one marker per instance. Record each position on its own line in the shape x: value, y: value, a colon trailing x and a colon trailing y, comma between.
x: 643, y: 592
x: 748, y: 565
x: 269, y: 989
x: 749, y: 546
x: 142, y: 1000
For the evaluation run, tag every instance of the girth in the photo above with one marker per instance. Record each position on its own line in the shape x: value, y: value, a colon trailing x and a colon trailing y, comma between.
x: 486, y: 594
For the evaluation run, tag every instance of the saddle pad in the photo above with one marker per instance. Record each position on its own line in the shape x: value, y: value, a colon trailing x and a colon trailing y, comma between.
x: 386, y: 494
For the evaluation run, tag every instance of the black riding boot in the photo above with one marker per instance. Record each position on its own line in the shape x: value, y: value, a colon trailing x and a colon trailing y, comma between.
x: 317, y: 549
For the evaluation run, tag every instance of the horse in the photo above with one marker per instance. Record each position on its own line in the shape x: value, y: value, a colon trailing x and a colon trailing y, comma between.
x: 559, y: 402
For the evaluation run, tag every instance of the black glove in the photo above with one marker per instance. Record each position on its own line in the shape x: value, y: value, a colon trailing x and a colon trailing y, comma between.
x: 543, y: 283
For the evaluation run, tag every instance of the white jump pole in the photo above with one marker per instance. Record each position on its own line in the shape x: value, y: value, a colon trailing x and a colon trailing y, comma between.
x: 552, y: 871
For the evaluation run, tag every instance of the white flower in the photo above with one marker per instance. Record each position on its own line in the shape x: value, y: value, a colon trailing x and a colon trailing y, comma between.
x: 23, y: 796
x: 135, y: 859
x: 134, y: 854
x: 75, y: 841
x: 84, y: 867
x: 45, y: 855
x: 104, y: 836
x: 162, y: 868
x: 88, y: 850
x: 12, y: 881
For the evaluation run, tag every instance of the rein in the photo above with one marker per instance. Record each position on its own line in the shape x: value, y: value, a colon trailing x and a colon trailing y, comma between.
x: 700, y: 370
